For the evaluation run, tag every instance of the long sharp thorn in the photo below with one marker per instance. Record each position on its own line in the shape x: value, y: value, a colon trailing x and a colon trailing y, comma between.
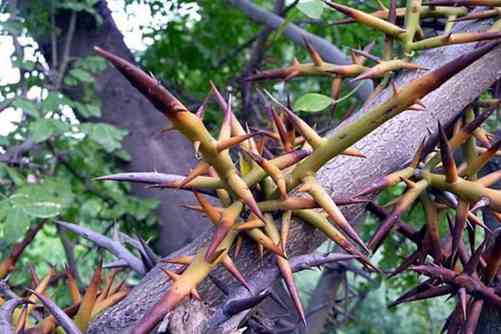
x: 471, y: 266
x: 114, y: 247
x: 477, y: 164
x: 232, y: 269
x: 470, y: 127
x: 406, y: 263
x: 458, y: 3
x: 493, y: 260
x: 212, y: 212
x: 7, y: 312
x: 62, y: 318
x: 284, y: 230
x: 326, y: 202
x: 432, y: 292
x: 232, y: 141
x: 272, y: 170
x: 200, y: 169
x: 228, y: 219
x: 250, y: 224
x: 147, y: 253
x: 174, y: 277
x: 459, y: 225
x: 385, y: 67
x: 366, y: 55
x: 83, y: 316
x: 368, y: 19
x: 462, y: 300
x: 386, y: 181
x: 203, y: 107
x: 72, y: 285
x: 473, y: 316
x: 9, y: 263
x: 238, y: 247
x: 160, y: 97
x: 314, y: 55
x: 415, y: 290
x: 418, y: 155
x: 182, y: 260
x: 447, y: 157
x: 286, y: 272
x: 225, y: 130
x: 311, y: 136
x: 241, y: 189
x: 403, y: 203
x: 320, y: 222
x: 234, y: 307
x: 280, y: 126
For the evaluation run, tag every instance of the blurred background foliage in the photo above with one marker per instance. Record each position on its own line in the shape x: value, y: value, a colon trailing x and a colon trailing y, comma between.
x: 200, y: 41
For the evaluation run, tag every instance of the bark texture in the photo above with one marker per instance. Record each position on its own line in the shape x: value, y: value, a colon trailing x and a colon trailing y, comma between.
x: 387, y: 148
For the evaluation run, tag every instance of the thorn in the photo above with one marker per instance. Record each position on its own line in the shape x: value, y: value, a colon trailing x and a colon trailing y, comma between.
x: 174, y: 277
x: 232, y: 141
x: 447, y: 158
x: 232, y: 269
x: 314, y: 55
x: 250, y: 224
x: 238, y: 246
x: 418, y: 154
x: 284, y: 231
x: 228, y: 218
x: 200, y: 169
x: 286, y: 272
x: 234, y: 307
x: 410, y: 184
x: 182, y: 260
x: 272, y: 170
x: 160, y: 97
x: 203, y: 107
x: 462, y: 301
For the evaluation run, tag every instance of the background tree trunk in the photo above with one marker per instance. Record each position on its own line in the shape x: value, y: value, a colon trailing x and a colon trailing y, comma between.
x: 124, y: 107
x: 387, y: 148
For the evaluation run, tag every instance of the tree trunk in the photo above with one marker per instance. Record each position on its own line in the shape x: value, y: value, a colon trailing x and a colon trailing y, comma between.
x: 388, y: 148
x: 124, y: 107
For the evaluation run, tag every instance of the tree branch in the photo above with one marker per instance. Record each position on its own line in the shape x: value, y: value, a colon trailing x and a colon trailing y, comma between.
x: 325, y: 48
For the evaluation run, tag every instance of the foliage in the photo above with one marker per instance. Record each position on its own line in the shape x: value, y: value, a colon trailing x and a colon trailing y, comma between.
x: 56, y: 147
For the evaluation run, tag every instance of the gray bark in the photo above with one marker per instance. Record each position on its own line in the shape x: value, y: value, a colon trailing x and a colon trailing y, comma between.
x: 387, y: 148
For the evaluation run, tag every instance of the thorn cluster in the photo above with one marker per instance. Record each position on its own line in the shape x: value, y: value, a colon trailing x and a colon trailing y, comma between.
x: 259, y: 192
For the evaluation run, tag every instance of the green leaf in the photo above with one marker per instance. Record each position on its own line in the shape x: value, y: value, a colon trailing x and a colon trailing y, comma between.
x: 106, y: 135
x: 81, y: 75
x: 36, y: 201
x: 312, y: 102
x: 311, y: 8
x: 14, y: 174
x: 16, y: 224
x: 44, y: 128
x: 93, y: 110
x: 51, y: 102
x: 91, y: 208
x: 27, y: 106
x: 4, y: 208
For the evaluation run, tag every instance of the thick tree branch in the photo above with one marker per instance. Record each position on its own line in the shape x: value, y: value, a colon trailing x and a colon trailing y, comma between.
x: 326, y: 49
x: 387, y: 148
